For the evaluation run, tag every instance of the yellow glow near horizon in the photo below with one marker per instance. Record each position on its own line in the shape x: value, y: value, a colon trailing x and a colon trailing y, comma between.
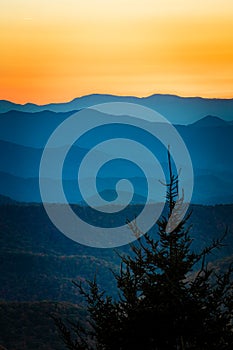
x: 58, y: 50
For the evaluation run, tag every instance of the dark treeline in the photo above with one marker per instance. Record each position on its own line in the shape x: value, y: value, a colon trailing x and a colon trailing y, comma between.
x: 170, y: 297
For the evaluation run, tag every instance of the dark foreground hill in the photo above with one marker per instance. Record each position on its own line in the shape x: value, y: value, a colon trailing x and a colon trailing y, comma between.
x: 29, y: 326
x: 38, y: 264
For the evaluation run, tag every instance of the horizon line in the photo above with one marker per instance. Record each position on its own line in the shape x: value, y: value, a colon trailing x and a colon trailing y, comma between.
x: 117, y: 95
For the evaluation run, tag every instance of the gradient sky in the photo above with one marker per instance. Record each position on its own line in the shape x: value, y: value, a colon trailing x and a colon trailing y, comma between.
x: 55, y: 50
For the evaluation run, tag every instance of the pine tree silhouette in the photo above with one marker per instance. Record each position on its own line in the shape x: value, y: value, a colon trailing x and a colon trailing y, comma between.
x: 169, y: 296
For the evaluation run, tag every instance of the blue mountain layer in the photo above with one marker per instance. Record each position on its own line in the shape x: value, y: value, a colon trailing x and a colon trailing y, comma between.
x: 178, y: 110
x: 209, y: 141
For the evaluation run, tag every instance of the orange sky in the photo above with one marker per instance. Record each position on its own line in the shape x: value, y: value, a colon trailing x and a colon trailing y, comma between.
x: 55, y: 50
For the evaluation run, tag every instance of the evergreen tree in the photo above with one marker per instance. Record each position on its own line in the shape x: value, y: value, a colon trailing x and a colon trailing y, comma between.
x: 169, y: 296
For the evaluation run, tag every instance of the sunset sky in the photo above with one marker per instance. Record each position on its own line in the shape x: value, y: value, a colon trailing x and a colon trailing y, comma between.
x: 55, y: 50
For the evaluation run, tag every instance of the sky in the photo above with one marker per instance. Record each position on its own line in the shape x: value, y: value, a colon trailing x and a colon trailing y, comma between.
x: 56, y: 50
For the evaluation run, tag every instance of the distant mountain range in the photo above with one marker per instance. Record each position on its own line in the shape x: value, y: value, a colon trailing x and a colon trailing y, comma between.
x: 38, y: 263
x: 178, y: 110
x: 23, y: 135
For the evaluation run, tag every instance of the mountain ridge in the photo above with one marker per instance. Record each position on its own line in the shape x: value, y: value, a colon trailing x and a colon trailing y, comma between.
x: 22, y: 150
x: 211, y: 121
x: 174, y: 108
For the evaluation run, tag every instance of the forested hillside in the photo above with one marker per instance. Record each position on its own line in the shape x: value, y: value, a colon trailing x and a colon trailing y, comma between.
x: 38, y: 264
